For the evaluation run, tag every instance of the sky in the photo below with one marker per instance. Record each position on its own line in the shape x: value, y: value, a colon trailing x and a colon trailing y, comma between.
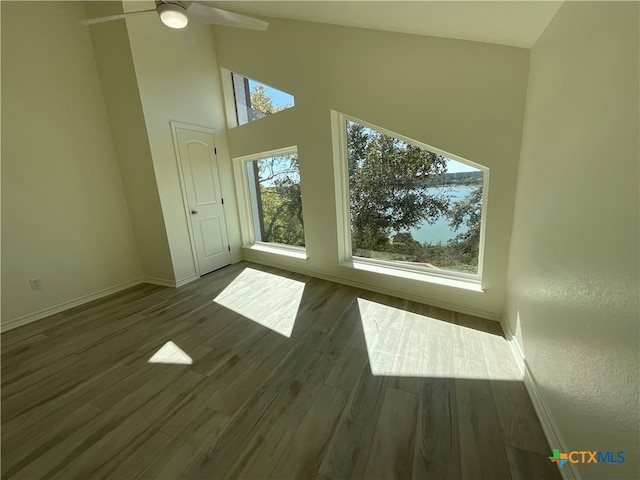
x: 453, y: 167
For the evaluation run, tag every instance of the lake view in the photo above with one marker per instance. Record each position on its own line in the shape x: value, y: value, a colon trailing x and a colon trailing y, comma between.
x: 440, y: 231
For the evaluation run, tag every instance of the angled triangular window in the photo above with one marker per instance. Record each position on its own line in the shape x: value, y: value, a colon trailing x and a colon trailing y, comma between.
x: 410, y: 206
x: 255, y: 100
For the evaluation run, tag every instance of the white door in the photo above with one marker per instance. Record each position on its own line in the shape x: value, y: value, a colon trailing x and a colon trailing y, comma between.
x: 203, y: 197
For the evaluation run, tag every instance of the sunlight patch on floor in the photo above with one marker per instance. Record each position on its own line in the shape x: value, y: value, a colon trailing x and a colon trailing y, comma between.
x: 172, y: 354
x: 402, y: 343
x: 265, y: 298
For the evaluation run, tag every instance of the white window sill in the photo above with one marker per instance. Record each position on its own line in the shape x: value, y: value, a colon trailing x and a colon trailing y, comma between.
x: 459, y: 283
x: 292, y: 252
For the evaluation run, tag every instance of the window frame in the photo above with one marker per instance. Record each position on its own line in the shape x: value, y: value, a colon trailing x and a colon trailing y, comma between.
x: 229, y: 97
x: 244, y: 206
x: 343, y: 209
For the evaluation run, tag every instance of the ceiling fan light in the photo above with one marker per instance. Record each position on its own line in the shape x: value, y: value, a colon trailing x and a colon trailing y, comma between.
x: 173, y: 15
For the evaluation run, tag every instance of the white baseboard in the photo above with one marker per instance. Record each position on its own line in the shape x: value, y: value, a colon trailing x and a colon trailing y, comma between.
x: 547, y: 421
x: 185, y: 280
x: 159, y: 281
x: 32, y: 317
x: 296, y: 267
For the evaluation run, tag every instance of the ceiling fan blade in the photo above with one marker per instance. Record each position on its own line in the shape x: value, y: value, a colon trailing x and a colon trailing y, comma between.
x: 215, y: 16
x: 93, y: 21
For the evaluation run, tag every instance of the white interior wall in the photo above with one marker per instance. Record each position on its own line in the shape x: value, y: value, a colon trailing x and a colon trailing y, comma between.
x: 128, y: 129
x: 178, y: 79
x: 463, y: 97
x: 64, y: 213
x: 574, y: 266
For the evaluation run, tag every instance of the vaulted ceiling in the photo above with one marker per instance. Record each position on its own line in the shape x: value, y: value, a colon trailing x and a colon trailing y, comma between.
x: 515, y: 23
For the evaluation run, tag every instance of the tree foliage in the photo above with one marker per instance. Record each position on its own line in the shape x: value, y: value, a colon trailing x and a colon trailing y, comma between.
x: 261, y: 103
x: 388, y: 181
x: 280, y: 200
x: 390, y: 184
x: 467, y: 211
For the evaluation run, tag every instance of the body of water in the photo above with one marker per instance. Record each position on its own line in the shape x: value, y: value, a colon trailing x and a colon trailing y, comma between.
x: 440, y: 231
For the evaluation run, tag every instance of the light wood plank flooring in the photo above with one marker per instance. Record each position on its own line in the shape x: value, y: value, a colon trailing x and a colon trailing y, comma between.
x: 292, y: 377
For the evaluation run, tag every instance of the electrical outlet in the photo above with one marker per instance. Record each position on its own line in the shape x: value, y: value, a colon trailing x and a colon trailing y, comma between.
x: 35, y: 284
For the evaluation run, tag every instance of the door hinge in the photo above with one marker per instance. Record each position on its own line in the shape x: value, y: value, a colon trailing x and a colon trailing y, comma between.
x: 229, y: 247
x: 222, y: 199
x: 215, y: 151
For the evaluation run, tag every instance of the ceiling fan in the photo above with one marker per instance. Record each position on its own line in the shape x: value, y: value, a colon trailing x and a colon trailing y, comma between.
x: 178, y: 14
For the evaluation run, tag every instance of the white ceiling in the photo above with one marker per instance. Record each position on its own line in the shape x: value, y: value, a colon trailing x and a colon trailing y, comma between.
x: 515, y: 23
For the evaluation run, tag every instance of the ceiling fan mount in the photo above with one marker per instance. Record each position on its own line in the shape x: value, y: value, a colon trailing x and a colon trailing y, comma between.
x: 178, y: 14
x: 172, y: 14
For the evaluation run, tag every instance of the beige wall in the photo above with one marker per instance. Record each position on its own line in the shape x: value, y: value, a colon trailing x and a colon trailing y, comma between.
x: 122, y: 99
x: 463, y: 97
x: 64, y: 213
x: 178, y: 79
x: 573, y: 277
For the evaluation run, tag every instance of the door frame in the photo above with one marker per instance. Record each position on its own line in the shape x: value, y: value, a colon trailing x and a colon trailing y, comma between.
x: 175, y: 125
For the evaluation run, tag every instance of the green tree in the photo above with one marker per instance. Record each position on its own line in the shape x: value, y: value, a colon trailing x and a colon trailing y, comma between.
x: 281, y: 200
x: 404, y: 244
x: 388, y: 181
x: 467, y: 211
x: 261, y: 103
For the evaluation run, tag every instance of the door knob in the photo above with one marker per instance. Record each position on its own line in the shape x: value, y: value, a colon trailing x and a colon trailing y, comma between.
x: 194, y: 212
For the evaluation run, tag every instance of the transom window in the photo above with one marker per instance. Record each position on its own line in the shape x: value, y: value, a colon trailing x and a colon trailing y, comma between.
x: 255, y: 100
x: 275, y: 199
x: 409, y: 205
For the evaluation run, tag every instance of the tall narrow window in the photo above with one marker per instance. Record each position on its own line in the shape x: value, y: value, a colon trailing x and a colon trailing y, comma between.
x: 255, y: 100
x: 410, y: 206
x: 275, y: 199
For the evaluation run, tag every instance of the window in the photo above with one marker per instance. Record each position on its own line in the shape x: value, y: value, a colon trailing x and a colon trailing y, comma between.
x: 255, y: 100
x: 275, y: 199
x: 409, y: 206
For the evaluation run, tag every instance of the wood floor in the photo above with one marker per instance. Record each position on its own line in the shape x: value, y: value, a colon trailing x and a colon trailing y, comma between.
x: 292, y: 377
